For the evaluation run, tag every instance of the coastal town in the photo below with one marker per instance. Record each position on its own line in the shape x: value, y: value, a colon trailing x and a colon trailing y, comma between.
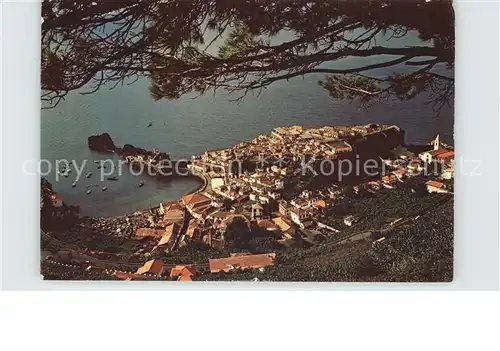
x: 295, y: 187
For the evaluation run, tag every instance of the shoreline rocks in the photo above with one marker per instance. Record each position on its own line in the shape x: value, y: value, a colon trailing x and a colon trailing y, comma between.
x: 101, y: 143
x: 104, y: 143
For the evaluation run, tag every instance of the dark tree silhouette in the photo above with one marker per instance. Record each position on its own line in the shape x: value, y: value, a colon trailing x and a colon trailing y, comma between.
x: 186, y: 46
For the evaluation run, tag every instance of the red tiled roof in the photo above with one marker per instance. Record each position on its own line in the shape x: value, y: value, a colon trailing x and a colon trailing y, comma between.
x: 171, y: 205
x: 434, y: 184
x: 149, y: 232
x: 194, y: 198
x: 446, y: 154
x: 320, y: 203
x: 167, y: 234
x: 438, y: 152
x: 247, y: 261
x: 152, y: 267
x: 186, y: 271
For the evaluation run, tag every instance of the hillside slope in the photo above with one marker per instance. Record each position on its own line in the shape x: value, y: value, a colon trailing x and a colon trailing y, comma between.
x: 421, y: 251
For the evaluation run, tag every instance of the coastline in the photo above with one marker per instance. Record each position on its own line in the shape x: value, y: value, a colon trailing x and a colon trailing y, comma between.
x: 120, y: 239
x: 202, y: 187
x: 204, y: 183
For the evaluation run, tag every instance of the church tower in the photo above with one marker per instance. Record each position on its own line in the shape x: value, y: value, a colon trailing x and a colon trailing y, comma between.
x: 437, y: 144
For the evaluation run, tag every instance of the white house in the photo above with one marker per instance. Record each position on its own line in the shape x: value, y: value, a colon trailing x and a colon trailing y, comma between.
x: 435, y: 187
x: 264, y: 198
x: 274, y: 195
x: 279, y: 184
x: 283, y: 208
x: 275, y: 169
x: 305, y: 194
x: 217, y: 182
x: 257, y: 211
x: 447, y: 173
x: 300, y: 216
x: 216, y: 203
x: 429, y: 156
x: 350, y: 220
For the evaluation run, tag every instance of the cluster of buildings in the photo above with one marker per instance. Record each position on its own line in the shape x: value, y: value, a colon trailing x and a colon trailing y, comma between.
x: 266, y: 192
x: 287, y: 146
x: 260, y: 185
x: 273, y: 197
x: 236, y: 261
x: 435, y: 163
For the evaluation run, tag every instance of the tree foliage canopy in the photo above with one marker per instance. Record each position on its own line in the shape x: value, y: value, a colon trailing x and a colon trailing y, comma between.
x: 186, y: 46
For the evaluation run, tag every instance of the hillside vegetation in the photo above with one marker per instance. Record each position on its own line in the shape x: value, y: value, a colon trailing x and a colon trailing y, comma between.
x: 421, y: 251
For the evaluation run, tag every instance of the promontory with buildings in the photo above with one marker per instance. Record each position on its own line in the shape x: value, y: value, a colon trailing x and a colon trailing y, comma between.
x: 330, y: 203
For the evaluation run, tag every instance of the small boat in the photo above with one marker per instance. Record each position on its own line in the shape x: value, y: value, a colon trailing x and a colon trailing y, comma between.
x: 150, y: 124
x: 88, y: 174
x: 141, y: 183
x: 66, y: 174
x: 99, y: 167
x: 104, y: 188
x: 89, y: 191
x: 97, y: 161
x: 112, y: 178
x: 73, y: 184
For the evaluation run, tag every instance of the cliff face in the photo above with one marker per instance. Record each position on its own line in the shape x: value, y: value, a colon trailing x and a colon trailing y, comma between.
x: 102, y: 143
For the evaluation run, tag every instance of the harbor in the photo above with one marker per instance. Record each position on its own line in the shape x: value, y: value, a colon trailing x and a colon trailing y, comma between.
x: 124, y: 179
